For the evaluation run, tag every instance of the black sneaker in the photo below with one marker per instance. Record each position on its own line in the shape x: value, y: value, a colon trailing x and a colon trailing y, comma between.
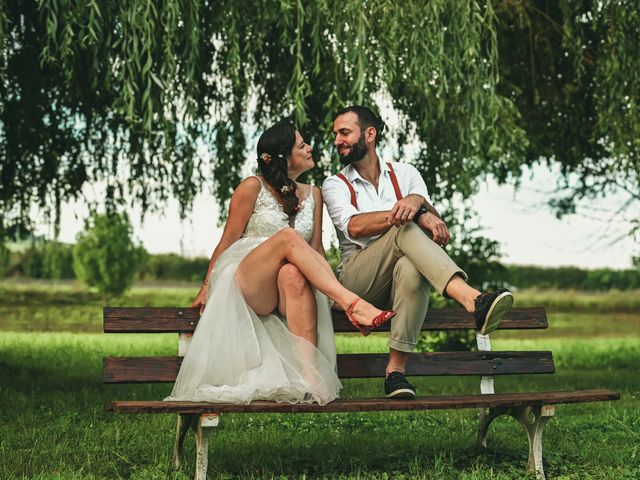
x: 396, y: 386
x: 490, y: 308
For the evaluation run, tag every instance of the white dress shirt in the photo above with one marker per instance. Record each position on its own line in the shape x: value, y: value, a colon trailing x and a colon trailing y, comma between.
x: 337, y: 197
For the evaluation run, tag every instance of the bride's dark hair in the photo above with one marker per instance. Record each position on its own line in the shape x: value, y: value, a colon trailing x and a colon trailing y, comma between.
x: 274, y: 147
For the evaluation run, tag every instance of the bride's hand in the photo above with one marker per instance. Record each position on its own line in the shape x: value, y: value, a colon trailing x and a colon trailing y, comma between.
x: 201, y: 299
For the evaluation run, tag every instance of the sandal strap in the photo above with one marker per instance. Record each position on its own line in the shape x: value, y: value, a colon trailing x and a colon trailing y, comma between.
x: 352, y: 306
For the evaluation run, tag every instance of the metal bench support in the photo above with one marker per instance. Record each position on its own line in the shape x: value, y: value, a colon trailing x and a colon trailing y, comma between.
x: 533, y: 419
x: 204, y: 427
x: 185, y: 421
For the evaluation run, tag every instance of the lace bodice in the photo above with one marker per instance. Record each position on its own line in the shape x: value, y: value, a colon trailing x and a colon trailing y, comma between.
x: 268, y: 218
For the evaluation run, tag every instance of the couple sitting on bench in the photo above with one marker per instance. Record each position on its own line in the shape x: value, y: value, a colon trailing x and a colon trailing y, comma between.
x: 265, y: 331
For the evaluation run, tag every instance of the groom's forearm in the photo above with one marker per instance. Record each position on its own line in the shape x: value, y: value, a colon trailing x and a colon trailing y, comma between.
x: 369, y: 224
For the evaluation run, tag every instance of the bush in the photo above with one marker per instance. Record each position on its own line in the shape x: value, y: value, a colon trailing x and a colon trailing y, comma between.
x: 31, y: 262
x: 105, y: 255
x: 57, y: 261
x: 170, y: 266
x: 5, y: 259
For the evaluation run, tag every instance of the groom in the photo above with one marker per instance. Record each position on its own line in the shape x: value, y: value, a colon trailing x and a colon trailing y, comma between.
x: 391, y: 241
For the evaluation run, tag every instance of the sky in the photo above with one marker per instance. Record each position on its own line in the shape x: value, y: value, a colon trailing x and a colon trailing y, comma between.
x: 519, y: 219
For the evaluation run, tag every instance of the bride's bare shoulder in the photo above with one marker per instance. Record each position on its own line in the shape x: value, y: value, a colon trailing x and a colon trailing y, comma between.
x: 250, y: 184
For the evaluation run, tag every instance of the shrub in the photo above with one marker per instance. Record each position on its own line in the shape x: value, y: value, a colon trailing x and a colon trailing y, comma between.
x: 5, y: 258
x: 31, y: 262
x: 105, y: 255
x: 57, y: 260
x: 169, y: 266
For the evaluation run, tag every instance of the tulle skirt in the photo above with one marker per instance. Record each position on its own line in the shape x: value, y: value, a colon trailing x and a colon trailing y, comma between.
x: 237, y: 356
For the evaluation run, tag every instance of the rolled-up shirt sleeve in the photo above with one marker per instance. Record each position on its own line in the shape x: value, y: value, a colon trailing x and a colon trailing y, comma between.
x: 337, y: 198
x: 416, y: 183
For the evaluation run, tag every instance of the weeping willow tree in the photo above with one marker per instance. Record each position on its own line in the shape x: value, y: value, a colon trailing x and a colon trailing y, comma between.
x: 573, y: 71
x: 159, y: 99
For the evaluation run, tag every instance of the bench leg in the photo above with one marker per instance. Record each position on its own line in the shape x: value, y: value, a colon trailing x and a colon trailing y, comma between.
x: 533, y: 419
x: 487, y: 415
x: 205, y: 424
x: 184, y: 422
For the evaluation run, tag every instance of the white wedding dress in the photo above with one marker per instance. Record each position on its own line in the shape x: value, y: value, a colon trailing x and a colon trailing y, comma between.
x: 238, y: 356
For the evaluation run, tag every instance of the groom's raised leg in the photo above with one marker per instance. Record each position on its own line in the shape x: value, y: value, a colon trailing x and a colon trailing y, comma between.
x: 432, y: 261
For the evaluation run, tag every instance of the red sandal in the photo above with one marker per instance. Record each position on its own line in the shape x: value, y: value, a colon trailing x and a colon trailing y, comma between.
x: 380, y: 319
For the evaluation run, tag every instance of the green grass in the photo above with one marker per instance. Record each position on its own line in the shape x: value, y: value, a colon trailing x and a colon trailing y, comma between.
x: 53, y: 424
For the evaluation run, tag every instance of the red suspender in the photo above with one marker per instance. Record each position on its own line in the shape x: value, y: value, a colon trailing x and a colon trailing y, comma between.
x: 354, y: 202
x: 394, y: 182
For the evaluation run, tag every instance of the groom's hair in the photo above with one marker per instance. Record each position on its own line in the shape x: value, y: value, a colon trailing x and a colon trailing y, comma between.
x: 366, y: 118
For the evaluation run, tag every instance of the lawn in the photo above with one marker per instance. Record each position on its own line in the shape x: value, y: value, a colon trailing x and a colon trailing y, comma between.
x: 53, y: 424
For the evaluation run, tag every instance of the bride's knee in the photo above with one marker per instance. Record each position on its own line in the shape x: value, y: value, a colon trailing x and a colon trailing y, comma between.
x: 291, y: 279
x: 289, y: 235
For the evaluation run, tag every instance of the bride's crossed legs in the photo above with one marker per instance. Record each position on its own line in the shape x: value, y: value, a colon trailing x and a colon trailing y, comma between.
x: 261, y: 271
x: 297, y: 302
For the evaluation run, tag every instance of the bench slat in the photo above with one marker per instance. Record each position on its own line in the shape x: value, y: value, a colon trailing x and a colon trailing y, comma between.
x: 184, y: 320
x: 352, y: 365
x: 372, y: 404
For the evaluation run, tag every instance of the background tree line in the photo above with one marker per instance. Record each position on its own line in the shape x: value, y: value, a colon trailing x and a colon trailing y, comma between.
x: 54, y: 260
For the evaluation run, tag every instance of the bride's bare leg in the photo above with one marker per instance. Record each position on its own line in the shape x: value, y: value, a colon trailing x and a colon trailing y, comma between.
x: 297, y: 303
x: 257, y: 275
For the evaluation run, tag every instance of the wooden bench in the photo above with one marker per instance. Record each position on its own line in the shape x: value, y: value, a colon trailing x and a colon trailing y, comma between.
x: 532, y: 410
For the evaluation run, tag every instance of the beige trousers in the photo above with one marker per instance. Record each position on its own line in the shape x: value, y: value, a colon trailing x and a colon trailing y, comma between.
x: 396, y: 271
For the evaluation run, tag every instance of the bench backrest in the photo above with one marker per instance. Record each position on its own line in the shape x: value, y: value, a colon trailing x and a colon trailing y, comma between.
x: 484, y: 363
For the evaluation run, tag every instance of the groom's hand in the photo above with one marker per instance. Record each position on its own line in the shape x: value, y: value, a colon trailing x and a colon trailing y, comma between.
x: 404, y: 209
x: 437, y: 227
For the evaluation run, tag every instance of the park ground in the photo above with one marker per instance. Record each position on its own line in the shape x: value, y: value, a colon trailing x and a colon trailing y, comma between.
x: 53, y: 424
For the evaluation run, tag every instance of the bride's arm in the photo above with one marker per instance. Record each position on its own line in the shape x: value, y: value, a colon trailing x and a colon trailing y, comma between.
x: 316, y: 237
x: 240, y: 208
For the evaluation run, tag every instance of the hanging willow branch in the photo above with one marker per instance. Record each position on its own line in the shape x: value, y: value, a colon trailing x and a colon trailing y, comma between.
x: 138, y: 95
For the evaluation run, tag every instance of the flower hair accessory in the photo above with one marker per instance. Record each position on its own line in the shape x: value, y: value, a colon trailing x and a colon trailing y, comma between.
x: 266, y: 158
x: 285, y: 188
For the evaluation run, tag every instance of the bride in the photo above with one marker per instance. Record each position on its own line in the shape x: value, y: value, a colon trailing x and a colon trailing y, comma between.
x: 265, y: 331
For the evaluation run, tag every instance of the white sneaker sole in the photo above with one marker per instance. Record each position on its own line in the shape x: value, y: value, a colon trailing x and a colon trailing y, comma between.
x: 500, y: 306
x: 402, y: 393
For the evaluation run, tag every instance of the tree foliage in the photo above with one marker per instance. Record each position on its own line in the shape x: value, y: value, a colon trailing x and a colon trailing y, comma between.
x: 105, y: 255
x: 571, y: 69
x: 138, y: 95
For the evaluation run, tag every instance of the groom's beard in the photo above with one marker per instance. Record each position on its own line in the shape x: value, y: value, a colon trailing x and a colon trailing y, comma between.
x: 357, y: 152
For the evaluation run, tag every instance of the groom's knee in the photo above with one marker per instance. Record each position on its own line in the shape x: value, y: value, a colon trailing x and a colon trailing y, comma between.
x: 414, y: 230
x: 407, y: 280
